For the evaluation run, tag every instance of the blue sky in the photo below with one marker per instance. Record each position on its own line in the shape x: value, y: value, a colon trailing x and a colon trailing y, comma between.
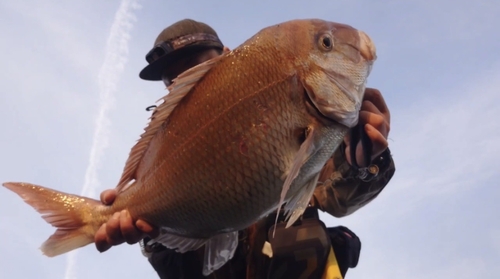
x: 73, y: 106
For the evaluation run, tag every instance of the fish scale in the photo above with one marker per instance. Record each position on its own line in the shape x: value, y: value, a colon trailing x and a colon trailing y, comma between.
x: 220, y: 175
x: 236, y: 138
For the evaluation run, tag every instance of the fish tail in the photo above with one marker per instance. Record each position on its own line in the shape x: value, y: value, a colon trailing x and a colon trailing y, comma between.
x: 70, y: 214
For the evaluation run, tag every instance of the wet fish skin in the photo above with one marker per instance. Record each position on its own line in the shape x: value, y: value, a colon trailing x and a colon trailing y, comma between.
x: 252, y: 130
x: 232, y: 149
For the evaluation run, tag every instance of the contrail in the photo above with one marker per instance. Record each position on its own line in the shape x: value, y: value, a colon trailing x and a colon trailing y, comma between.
x: 110, y: 72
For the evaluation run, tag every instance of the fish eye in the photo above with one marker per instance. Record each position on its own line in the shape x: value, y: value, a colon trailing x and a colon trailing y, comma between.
x: 326, y: 42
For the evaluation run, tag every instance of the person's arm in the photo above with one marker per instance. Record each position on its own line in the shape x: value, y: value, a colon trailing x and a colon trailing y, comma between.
x: 341, y: 192
x: 341, y: 189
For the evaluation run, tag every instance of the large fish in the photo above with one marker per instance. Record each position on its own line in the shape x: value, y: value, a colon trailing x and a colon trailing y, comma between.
x: 236, y: 138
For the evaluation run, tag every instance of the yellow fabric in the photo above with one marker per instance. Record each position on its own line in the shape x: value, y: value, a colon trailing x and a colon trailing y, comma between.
x: 332, y: 269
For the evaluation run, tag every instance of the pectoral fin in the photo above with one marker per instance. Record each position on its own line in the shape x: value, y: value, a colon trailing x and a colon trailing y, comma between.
x: 298, y: 204
x: 306, y: 150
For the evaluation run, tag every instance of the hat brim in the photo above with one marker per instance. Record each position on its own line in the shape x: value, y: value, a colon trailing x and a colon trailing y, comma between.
x: 155, y: 70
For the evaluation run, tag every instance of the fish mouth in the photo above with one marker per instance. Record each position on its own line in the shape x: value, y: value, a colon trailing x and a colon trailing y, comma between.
x: 366, y: 47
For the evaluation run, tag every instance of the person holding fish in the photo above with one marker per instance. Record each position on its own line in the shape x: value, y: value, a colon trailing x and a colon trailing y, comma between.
x: 227, y: 179
x: 356, y: 173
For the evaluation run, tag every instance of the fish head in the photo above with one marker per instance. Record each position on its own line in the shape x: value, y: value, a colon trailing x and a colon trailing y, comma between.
x: 339, y: 60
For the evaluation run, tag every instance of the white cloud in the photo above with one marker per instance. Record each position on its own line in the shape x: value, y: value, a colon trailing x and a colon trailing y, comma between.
x: 52, y: 29
x: 448, y: 138
x: 461, y: 269
x: 109, y: 76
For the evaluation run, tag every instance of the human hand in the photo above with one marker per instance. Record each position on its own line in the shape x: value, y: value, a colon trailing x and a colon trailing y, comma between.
x: 120, y: 227
x: 375, y: 118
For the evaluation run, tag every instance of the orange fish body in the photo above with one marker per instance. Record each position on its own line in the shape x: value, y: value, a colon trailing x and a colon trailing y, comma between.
x: 237, y: 137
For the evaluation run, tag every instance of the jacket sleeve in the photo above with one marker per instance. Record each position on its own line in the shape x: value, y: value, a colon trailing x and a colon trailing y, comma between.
x: 341, y: 192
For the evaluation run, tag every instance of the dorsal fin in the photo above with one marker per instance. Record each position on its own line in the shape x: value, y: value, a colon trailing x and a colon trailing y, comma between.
x: 181, y: 87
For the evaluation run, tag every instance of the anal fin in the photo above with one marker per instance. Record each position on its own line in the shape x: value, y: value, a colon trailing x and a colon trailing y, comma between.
x: 178, y: 243
x: 219, y: 250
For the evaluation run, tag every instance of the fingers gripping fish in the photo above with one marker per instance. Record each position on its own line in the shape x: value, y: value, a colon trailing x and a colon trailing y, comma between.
x: 237, y: 137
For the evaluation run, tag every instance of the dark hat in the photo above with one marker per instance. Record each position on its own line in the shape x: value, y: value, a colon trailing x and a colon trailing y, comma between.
x: 175, y: 41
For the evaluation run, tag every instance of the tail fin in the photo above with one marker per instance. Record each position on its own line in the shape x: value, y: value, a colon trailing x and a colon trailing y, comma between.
x: 64, y: 211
